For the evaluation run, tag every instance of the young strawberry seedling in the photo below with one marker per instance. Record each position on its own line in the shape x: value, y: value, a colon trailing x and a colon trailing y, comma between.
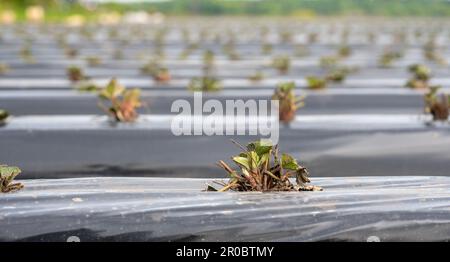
x: 344, y: 51
x: 437, y: 105
x: 123, y: 102
x: 256, y: 77
x: 262, y: 169
x: 7, y: 176
x: 4, y: 68
x: 266, y: 48
x: 205, y: 83
x: 159, y: 73
x: 420, y: 78
x: 282, y: 64
x: 93, y: 61
x: 26, y: 54
x: 316, y: 83
x: 3, y: 116
x: 328, y: 62
x: 75, y: 74
x: 288, y: 102
x: 388, y: 57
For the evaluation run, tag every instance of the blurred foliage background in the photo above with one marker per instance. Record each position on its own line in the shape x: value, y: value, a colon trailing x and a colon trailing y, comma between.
x: 59, y: 8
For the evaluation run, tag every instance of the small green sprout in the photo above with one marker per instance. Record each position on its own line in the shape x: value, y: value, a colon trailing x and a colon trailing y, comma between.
x: 316, y: 83
x: 3, y: 116
x: 159, y: 73
x: 288, y: 102
x: 123, y: 102
x: 420, y: 78
x: 281, y: 63
x: 388, y: 57
x: 437, y: 105
x: 93, y: 61
x: 344, y: 51
x: 266, y: 48
x: 339, y: 74
x: 75, y: 74
x: 205, y: 83
x: 7, y: 176
x: 27, y: 54
x: 4, y: 68
x: 261, y: 168
x: 328, y: 62
x: 256, y: 77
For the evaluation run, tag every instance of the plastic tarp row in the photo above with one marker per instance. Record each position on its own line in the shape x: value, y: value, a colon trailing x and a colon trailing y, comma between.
x: 162, y: 209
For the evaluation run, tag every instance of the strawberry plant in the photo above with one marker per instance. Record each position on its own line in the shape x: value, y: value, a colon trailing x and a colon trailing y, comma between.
x: 205, y: 83
x: 316, y: 83
x: 3, y: 116
x: 388, y: 57
x: 344, y: 51
x: 122, y: 102
x: 282, y: 64
x: 328, y: 62
x: 288, y: 102
x: 266, y: 48
x: 261, y: 168
x: 7, y: 176
x: 420, y: 78
x: 256, y: 77
x: 93, y: 61
x: 75, y: 74
x: 159, y: 73
x: 4, y: 68
x: 437, y: 105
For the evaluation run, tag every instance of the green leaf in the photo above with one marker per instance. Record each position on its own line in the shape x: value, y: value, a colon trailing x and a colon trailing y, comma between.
x: 253, y: 159
x: 288, y: 162
x: 3, y: 115
x: 260, y: 147
x: 242, y: 161
x: 112, y: 90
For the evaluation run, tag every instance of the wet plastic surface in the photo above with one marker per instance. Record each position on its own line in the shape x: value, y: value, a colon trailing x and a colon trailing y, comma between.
x: 159, y: 209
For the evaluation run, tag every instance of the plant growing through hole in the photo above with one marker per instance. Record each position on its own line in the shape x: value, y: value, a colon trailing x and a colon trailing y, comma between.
x: 158, y: 72
x: 256, y: 77
x: 420, y: 78
x: 338, y: 74
x: 205, y: 83
x: 7, y: 176
x: 288, y: 102
x: 71, y: 52
x: 437, y: 105
x: 26, y: 54
x: 4, y: 68
x: 266, y: 48
x: 316, y: 83
x: 281, y: 63
x: 431, y: 53
x: 75, y: 73
x: 328, y: 62
x: 93, y: 61
x: 344, y: 51
x: 388, y: 57
x: 261, y: 168
x: 208, y: 59
x: 122, y: 102
x: 3, y: 116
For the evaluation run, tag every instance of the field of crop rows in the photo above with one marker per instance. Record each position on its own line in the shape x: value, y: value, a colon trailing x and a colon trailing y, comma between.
x: 372, y: 131
x: 362, y: 122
